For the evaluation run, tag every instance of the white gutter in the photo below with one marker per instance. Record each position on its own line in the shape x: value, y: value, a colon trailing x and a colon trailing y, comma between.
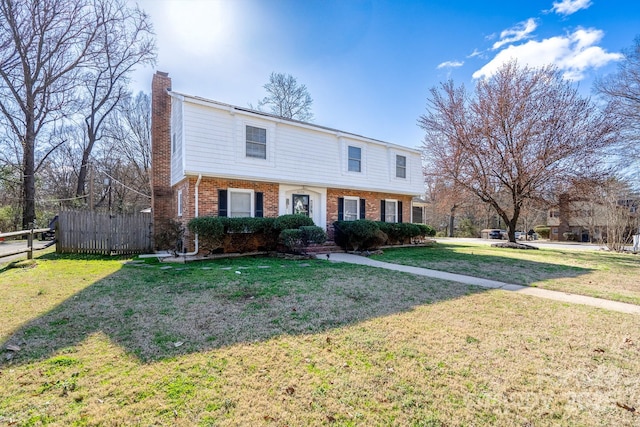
x: 195, y: 252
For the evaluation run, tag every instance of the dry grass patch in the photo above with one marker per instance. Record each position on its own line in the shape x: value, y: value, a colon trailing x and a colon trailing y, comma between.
x: 306, y: 343
x: 598, y: 274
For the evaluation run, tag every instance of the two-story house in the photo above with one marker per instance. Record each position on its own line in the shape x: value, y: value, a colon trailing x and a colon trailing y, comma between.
x: 211, y: 158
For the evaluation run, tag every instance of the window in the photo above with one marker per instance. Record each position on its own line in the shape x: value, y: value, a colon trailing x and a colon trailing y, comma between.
x: 240, y: 203
x: 179, y: 202
x: 256, y: 142
x: 390, y: 211
x: 401, y: 167
x: 173, y: 143
x: 351, y: 208
x: 355, y: 159
x: 418, y: 215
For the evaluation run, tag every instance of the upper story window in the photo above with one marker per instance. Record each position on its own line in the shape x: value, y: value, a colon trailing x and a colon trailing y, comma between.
x: 256, y: 142
x: 401, y: 167
x: 173, y: 143
x: 355, y: 159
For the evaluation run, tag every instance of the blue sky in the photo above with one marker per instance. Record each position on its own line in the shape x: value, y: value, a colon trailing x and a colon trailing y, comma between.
x: 369, y: 64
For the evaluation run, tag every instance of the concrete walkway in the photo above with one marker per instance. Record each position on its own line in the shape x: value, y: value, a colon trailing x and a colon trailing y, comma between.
x: 486, y: 283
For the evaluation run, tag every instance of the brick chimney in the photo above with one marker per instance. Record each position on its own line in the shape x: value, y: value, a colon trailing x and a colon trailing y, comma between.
x: 161, y: 194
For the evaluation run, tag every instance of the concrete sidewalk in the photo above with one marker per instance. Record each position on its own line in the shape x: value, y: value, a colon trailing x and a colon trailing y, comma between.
x: 486, y: 283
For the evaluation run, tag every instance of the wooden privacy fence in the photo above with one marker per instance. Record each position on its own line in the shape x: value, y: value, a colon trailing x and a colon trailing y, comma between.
x: 100, y: 233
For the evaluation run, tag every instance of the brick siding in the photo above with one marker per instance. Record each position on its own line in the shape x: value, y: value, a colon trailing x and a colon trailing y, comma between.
x: 161, y: 195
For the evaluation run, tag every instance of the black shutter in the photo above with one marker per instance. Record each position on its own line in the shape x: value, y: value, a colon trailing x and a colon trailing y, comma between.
x: 340, y: 209
x: 399, y: 211
x: 222, y: 202
x: 363, y: 206
x: 259, y: 203
x: 382, y: 210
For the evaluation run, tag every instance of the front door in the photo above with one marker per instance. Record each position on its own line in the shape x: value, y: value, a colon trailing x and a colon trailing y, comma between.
x: 300, y: 204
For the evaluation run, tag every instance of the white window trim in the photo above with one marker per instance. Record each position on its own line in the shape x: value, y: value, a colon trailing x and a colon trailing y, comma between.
x: 363, y: 158
x: 180, y: 203
x: 241, y: 190
x: 386, y: 204
x: 266, y: 142
x: 357, y: 199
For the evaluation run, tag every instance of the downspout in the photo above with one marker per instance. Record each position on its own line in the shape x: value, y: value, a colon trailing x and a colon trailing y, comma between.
x: 195, y: 252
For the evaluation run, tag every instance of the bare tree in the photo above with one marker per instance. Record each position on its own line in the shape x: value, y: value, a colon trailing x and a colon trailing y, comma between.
x: 622, y: 91
x: 522, y: 134
x: 42, y: 46
x: 286, y: 98
x: 124, y: 40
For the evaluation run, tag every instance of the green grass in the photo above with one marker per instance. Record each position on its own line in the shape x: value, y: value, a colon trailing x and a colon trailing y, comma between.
x: 599, y: 274
x: 274, y: 342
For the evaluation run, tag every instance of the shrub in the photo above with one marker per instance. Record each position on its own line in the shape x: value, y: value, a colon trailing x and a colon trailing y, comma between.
x: 399, y: 233
x: 361, y: 234
x: 168, y: 236
x: 543, y: 231
x: 313, y: 234
x: 234, y: 234
x: 210, y: 231
x: 297, y: 239
x: 426, y: 230
x: 292, y: 222
x: 292, y: 239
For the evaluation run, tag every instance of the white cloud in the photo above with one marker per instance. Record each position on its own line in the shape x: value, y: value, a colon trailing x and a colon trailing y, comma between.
x: 516, y: 33
x: 568, y: 7
x: 573, y: 54
x: 450, y: 64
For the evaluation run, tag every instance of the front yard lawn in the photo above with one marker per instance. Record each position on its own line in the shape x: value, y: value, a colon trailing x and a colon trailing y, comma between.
x: 272, y: 342
x: 600, y: 274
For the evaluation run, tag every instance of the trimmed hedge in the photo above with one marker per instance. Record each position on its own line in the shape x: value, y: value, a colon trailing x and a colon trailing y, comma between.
x: 298, y: 238
x: 365, y: 234
x: 359, y: 235
x: 223, y: 234
x: 292, y: 221
x: 543, y: 231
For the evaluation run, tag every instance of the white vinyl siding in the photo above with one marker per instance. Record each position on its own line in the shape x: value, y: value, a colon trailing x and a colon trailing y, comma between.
x: 214, y: 144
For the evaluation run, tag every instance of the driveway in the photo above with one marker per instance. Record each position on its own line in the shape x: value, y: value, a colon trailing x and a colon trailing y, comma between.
x: 12, y: 246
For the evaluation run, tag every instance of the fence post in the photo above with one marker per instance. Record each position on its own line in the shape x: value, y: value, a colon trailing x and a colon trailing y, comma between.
x: 30, y: 242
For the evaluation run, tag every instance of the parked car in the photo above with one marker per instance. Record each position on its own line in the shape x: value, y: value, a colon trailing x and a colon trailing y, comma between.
x: 495, y: 234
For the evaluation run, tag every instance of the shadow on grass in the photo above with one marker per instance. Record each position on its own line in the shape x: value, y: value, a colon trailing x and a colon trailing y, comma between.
x: 497, y: 265
x: 156, y: 311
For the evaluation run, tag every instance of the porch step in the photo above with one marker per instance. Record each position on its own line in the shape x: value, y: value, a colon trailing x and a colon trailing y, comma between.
x: 328, y: 247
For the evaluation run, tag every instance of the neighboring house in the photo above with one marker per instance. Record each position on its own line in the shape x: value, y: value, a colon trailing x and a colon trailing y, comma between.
x: 210, y: 158
x: 583, y: 220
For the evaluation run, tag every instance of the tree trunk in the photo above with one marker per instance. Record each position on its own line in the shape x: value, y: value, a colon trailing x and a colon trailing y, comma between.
x: 28, y: 175
x: 452, y: 219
